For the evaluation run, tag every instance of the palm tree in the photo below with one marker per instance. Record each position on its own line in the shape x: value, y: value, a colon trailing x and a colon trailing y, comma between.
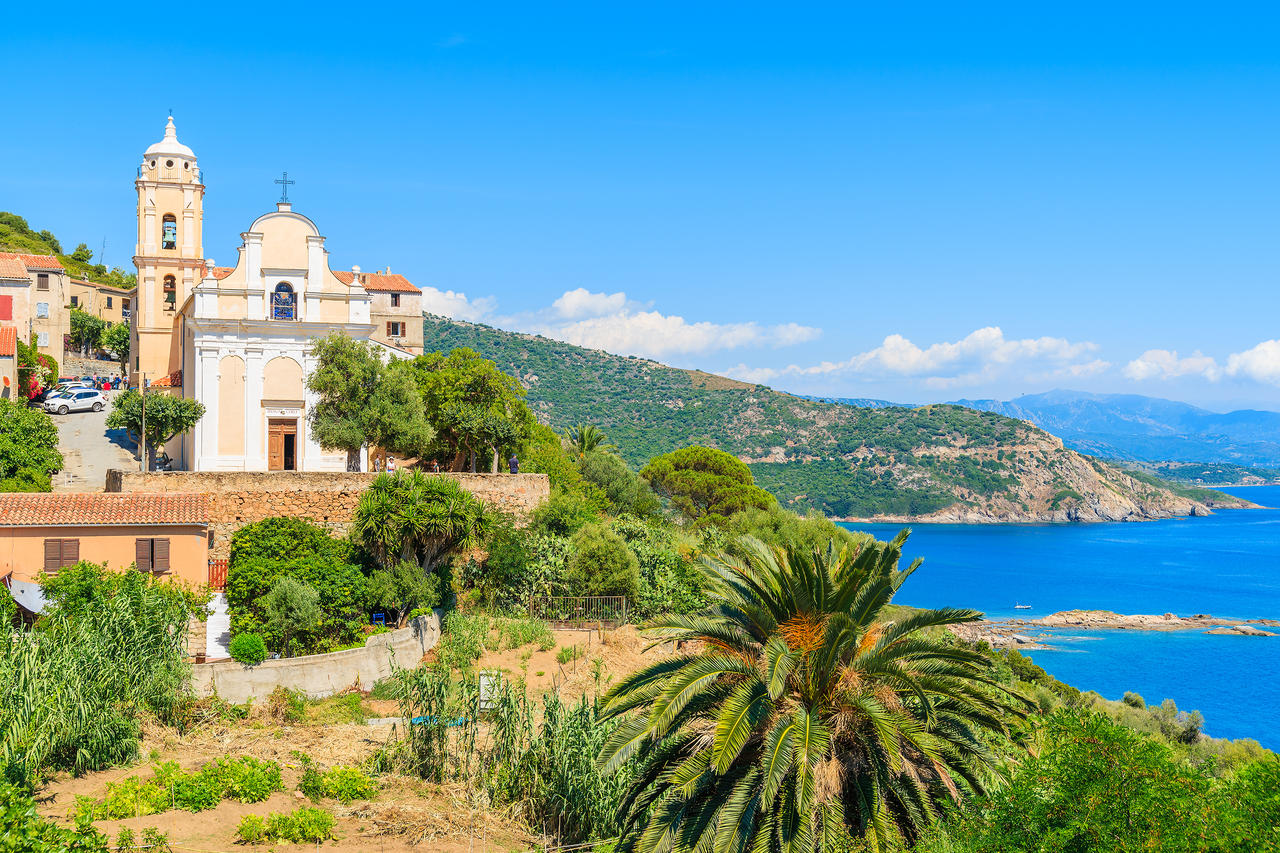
x: 414, y: 516
x: 584, y: 438
x: 802, y: 713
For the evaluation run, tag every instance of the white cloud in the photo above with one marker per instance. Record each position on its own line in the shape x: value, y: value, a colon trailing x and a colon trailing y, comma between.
x: 980, y: 356
x: 581, y: 302
x: 1166, y: 364
x: 610, y: 322
x: 448, y: 303
x: 1261, y: 363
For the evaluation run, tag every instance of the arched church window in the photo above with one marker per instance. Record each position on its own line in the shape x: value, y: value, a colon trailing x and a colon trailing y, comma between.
x: 170, y: 290
x: 170, y: 237
x: 284, y: 302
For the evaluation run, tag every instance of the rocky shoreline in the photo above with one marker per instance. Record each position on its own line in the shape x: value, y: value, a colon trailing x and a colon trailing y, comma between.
x: 1074, y: 514
x: 1020, y: 633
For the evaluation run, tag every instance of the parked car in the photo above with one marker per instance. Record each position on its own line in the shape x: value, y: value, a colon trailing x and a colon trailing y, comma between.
x: 75, y: 400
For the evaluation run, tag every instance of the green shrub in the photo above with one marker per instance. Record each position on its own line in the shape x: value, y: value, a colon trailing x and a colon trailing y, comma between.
x: 306, y: 825
x: 287, y: 705
x: 264, y: 551
x: 564, y: 513
x: 1133, y: 700
x: 246, y: 779
x: 601, y: 563
x: 568, y: 653
x: 252, y: 829
x: 248, y: 649
x: 347, y: 784
x: 22, y: 828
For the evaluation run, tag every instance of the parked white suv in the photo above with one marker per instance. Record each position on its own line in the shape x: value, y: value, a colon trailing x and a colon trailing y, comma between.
x: 75, y: 400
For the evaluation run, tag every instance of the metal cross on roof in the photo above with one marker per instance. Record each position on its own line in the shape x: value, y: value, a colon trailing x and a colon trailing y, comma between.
x: 284, y: 183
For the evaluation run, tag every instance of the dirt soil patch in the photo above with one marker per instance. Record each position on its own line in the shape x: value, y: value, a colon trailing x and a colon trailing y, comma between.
x: 407, y: 815
x: 604, y: 657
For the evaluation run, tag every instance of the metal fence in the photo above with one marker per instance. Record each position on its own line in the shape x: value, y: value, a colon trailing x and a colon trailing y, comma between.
x: 580, y: 609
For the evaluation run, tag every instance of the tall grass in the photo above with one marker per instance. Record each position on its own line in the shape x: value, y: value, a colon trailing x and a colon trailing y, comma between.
x: 497, y: 744
x: 73, y: 686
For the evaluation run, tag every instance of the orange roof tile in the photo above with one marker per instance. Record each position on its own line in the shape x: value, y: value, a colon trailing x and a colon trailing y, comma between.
x: 61, y: 509
x: 216, y: 272
x: 8, y: 340
x: 378, y: 282
x: 35, y: 262
x: 11, y: 266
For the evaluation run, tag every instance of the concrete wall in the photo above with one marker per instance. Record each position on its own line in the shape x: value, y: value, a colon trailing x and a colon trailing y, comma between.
x: 329, y: 499
x: 321, y: 675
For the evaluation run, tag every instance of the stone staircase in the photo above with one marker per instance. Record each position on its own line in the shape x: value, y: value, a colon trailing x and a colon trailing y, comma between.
x: 217, y: 628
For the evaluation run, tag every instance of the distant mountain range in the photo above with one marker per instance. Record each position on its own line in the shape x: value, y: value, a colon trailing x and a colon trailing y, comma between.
x: 1149, y: 429
x: 941, y: 463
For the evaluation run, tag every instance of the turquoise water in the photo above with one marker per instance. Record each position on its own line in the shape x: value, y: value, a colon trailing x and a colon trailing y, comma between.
x: 1227, y: 564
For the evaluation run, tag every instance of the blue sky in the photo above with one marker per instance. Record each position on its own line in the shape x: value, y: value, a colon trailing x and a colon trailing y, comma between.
x: 918, y: 203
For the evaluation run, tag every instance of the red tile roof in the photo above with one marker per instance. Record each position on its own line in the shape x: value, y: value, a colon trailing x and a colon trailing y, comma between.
x: 8, y: 340
x: 173, y: 380
x: 216, y: 272
x: 11, y: 266
x: 35, y: 262
x: 36, y: 509
x: 378, y: 282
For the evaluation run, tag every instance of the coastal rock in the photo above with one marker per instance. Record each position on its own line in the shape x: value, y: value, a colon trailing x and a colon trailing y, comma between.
x: 1241, y: 631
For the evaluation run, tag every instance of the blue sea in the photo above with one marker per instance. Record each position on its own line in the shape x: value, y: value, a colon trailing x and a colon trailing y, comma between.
x: 1227, y: 564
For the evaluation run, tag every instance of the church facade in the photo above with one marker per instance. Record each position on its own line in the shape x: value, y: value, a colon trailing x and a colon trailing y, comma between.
x: 237, y: 338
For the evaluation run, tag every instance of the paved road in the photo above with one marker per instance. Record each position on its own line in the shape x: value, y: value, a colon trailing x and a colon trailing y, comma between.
x: 89, y: 450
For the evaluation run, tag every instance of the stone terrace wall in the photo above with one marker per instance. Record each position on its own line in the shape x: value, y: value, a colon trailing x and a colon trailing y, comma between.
x: 319, y: 676
x: 237, y: 498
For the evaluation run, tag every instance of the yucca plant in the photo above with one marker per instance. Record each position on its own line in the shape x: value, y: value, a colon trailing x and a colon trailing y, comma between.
x: 800, y: 714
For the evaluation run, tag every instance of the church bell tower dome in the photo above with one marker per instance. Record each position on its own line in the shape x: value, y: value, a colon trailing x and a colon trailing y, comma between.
x: 170, y: 160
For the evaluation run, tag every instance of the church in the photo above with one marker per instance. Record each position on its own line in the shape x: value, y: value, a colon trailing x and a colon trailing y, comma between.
x: 236, y: 338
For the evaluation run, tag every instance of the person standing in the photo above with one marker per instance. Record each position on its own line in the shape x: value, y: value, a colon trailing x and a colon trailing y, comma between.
x: 514, y: 464
x: 435, y: 466
x: 391, y: 464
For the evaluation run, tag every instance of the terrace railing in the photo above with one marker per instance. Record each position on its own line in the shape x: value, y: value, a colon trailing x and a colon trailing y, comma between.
x: 575, y: 610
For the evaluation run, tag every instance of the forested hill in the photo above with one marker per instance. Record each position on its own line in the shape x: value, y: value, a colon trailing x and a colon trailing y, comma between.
x: 16, y: 235
x: 944, y: 462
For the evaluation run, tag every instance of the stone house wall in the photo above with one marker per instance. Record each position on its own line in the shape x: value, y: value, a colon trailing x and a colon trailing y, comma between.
x: 329, y: 499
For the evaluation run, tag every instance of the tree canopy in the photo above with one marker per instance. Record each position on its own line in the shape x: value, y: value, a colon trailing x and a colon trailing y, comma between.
x: 475, y: 408
x: 410, y: 515
x: 166, y: 416
x: 28, y: 448
x: 705, y: 484
x: 115, y: 340
x: 363, y: 401
x: 86, y: 330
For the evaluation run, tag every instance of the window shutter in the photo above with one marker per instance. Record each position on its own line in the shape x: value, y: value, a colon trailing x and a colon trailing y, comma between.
x: 160, y: 558
x: 142, y: 554
x: 70, y: 552
x: 52, y: 555
x: 6, y: 307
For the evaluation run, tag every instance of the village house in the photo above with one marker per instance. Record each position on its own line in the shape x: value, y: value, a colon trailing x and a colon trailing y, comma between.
x: 163, y: 534
x: 34, y: 294
x: 103, y: 301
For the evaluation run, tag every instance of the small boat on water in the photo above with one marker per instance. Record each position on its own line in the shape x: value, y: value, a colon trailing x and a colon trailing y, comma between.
x: 1022, y: 607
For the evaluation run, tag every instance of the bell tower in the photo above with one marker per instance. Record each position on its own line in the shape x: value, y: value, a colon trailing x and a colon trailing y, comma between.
x: 169, y: 254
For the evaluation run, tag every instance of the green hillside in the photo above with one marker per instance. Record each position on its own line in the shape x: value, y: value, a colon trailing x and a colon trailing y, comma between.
x: 842, y: 460
x: 16, y: 235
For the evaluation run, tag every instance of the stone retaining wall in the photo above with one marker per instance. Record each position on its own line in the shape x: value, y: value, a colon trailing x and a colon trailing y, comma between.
x: 319, y: 676
x: 329, y: 499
